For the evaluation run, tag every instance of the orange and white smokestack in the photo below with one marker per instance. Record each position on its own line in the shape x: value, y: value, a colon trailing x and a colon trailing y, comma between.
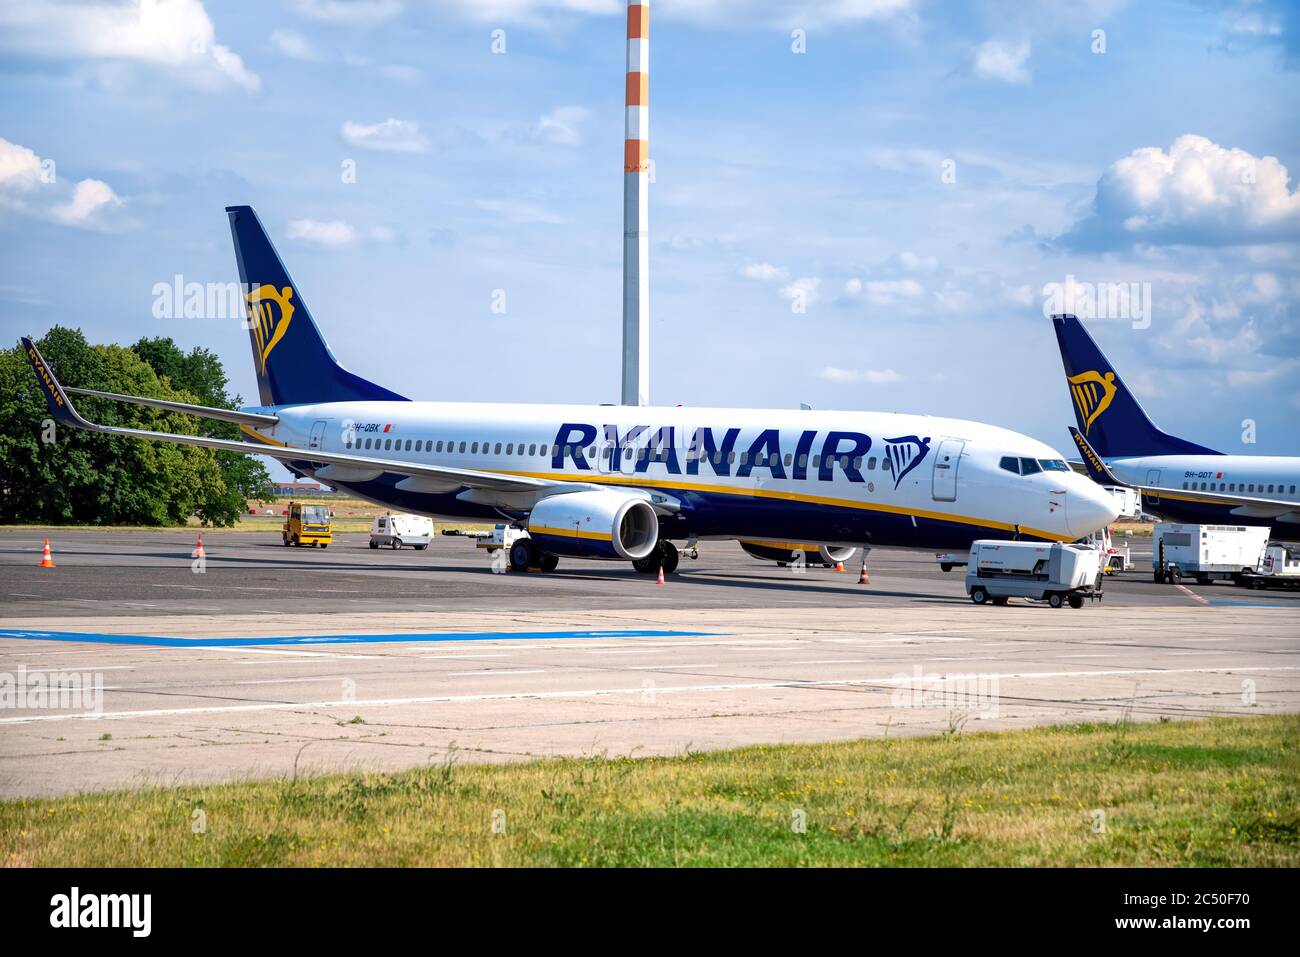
x: 636, y: 245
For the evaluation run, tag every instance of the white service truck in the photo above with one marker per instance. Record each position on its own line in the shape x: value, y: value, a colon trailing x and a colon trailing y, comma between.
x: 1206, y: 552
x: 1280, y: 568
x: 1057, y: 573
x: 395, y: 530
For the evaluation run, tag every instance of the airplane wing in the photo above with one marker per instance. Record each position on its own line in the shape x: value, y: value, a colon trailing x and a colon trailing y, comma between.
x: 485, y: 487
x: 1247, y: 506
x: 204, y: 411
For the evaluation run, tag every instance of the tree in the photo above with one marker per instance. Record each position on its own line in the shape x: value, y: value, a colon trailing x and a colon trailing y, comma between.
x: 61, y: 475
x: 201, y: 374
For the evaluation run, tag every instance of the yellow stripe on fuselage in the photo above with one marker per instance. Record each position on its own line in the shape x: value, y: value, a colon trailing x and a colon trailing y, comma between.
x: 648, y: 482
x: 569, y: 533
x: 261, y: 438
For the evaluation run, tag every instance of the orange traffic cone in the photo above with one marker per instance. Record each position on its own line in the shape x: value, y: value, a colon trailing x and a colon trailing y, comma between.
x: 46, y: 560
x: 839, y: 566
x: 198, y: 549
x: 661, y: 576
x: 864, y: 578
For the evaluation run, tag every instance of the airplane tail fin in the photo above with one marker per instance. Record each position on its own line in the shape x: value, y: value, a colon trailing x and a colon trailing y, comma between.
x: 290, y: 357
x: 1107, y: 413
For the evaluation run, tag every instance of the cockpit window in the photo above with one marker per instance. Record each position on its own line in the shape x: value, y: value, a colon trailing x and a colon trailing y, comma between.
x: 1054, y: 465
x: 1011, y: 464
x: 1029, y: 467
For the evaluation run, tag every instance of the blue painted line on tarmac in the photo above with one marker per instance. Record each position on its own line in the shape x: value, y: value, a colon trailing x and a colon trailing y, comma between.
x: 95, y: 637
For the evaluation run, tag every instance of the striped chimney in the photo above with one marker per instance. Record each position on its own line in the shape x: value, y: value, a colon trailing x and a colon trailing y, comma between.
x: 636, y: 248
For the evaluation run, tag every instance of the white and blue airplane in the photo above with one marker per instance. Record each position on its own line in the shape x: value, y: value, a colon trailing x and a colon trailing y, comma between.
x: 1179, y: 480
x: 624, y: 482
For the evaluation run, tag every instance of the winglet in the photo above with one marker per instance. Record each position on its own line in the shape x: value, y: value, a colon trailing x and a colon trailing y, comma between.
x: 59, y: 404
x: 1098, y: 470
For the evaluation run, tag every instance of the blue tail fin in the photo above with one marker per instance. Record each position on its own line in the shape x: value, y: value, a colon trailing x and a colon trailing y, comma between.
x: 1108, y: 414
x: 292, y: 361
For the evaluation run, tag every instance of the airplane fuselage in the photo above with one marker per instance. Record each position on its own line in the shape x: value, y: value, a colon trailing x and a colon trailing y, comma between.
x: 1272, y: 477
x: 848, y: 478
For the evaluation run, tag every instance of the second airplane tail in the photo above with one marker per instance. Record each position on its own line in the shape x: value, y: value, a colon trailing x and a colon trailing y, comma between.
x: 292, y: 361
x: 1108, y: 414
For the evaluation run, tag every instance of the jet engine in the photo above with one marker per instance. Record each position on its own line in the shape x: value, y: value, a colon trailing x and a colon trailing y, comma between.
x: 595, y: 524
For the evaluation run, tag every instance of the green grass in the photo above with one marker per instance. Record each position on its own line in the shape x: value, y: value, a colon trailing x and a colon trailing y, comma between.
x: 1198, y: 793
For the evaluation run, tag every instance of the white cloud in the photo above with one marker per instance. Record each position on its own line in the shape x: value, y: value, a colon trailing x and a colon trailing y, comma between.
x: 335, y: 232
x: 392, y: 135
x: 1197, y: 193
x: 562, y: 126
x: 869, y: 376
x: 31, y: 186
x: 1001, y: 60
x: 173, y: 34
x: 20, y: 168
x: 764, y: 271
x: 348, y: 11
x: 294, y: 45
x: 90, y: 198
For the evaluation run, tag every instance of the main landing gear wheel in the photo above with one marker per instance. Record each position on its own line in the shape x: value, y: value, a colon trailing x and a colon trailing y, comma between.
x: 1055, y: 600
x: 978, y: 595
x: 669, y: 556
x: 524, y: 554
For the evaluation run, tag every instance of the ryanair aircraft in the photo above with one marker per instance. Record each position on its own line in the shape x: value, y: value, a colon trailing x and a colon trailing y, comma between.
x: 625, y: 482
x: 1179, y: 480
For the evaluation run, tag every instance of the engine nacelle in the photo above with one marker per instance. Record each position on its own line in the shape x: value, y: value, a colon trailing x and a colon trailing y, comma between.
x: 595, y: 524
x: 787, y: 553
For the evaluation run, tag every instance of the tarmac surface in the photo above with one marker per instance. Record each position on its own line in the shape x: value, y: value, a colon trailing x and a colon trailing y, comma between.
x: 273, y: 661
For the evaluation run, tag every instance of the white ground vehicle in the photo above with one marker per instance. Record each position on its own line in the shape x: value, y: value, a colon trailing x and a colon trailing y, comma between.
x: 1206, y: 552
x: 518, y: 547
x: 1057, y: 573
x: 949, y: 560
x: 1280, y: 567
x: 395, y: 530
x: 1115, y: 558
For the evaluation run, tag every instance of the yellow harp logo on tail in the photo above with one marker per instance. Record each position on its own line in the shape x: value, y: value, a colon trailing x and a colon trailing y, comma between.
x: 1092, y: 393
x: 269, y: 312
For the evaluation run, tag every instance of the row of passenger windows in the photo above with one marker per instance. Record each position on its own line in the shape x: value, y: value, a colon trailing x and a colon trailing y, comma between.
x: 1245, y: 487
x: 1025, y: 466
x: 660, y: 455
x: 428, y: 445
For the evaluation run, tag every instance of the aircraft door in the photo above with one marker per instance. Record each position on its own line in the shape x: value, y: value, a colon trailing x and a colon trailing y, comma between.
x: 946, y: 461
x: 1153, y: 479
x: 317, y: 440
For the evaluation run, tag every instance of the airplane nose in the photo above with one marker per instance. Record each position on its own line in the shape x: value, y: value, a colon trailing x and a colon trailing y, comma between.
x: 1088, y: 508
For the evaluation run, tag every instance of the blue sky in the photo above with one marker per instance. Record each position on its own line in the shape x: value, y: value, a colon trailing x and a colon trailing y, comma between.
x: 914, y: 180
